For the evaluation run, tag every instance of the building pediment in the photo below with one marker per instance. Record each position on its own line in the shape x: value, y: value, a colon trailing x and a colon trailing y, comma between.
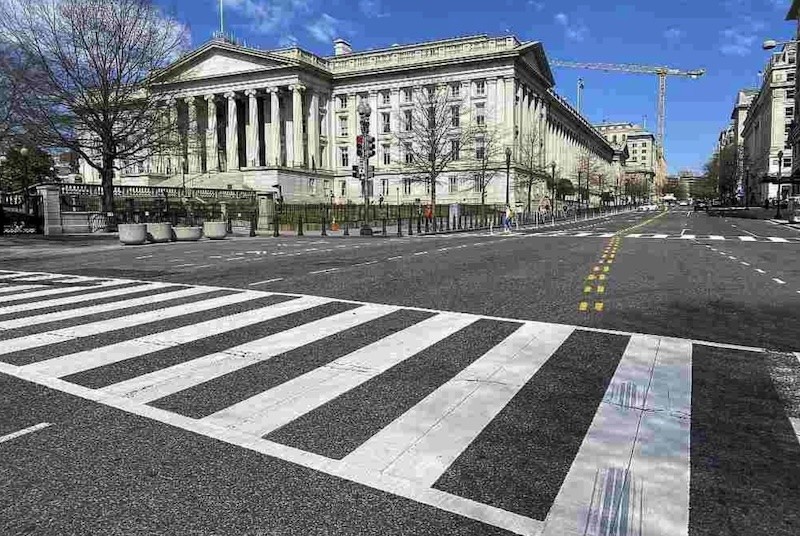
x: 222, y: 59
x: 532, y: 54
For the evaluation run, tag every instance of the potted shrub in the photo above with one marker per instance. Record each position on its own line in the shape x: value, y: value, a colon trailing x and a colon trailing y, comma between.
x: 132, y: 233
x: 159, y: 232
x: 215, y: 230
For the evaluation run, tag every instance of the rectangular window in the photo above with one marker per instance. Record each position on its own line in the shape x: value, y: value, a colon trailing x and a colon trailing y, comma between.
x: 455, y: 113
x: 790, y: 94
x: 455, y: 149
x: 387, y: 155
x: 407, y: 120
x: 455, y: 90
x: 406, y: 186
x: 480, y: 149
x: 343, y: 126
x: 344, y: 156
x: 480, y: 88
x: 326, y: 187
x: 480, y: 117
x: 385, y: 186
x: 343, y: 186
x: 407, y: 94
x: 787, y: 162
x: 386, y: 122
x: 343, y: 102
x: 790, y: 76
x: 789, y: 112
x: 453, y: 185
x: 312, y: 186
x: 385, y: 98
x: 408, y: 153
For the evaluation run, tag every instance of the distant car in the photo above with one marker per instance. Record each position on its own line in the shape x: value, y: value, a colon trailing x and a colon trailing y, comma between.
x: 700, y: 205
x: 647, y: 208
x: 683, y: 204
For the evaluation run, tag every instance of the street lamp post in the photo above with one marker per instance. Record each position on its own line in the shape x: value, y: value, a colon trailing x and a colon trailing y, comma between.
x: 553, y: 198
x: 364, y: 111
x: 747, y: 186
x: 780, y: 167
x: 508, y: 175
x: 24, y: 153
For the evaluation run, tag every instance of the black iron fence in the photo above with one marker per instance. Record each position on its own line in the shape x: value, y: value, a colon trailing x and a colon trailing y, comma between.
x: 21, y: 213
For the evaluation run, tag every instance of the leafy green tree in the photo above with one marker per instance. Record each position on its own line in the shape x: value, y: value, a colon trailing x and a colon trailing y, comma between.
x: 564, y: 187
x: 22, y: 170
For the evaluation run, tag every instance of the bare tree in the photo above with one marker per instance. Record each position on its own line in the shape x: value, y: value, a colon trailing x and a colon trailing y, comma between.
x: 87, y: 85
x: 433, y: 132
x: 530, y: 166
x: 590, y: 176
x: 488, y: 152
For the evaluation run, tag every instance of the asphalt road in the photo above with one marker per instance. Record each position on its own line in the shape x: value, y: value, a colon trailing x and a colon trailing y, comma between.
x: 728, y: 288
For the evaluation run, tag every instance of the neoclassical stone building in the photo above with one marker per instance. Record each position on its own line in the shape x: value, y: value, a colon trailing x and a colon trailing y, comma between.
x: 254, y: 119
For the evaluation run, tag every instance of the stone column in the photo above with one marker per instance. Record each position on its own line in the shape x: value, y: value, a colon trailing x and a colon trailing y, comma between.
x: 509, y: 112
x: 51, y: 209
x: 297, y: 124
x: 192, y: 136
x: 314, y: 157
x: 173, y: 138
x: 274, y: 146
x: 232, y: 133
x: 252, y: 128
x: 212, y: 144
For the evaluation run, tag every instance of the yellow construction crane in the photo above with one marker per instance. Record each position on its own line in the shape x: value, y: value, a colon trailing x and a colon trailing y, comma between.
x: 661, y: 72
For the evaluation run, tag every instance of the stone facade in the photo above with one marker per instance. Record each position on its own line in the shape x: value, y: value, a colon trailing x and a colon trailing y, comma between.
x: 766, y: 129
x: 794, y: 134
x: 643, y: 161
x: 255, y: 119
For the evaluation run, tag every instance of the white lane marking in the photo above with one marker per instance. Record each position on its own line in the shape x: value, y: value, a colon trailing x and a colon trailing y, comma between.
x: 716, y: 237
x: 203, y: 266
x: 37, y: 277
x: 98, y: 292
x: 438, y: 499
x: 266, y: 281
x: 268, y: 411
x: 423, y: 252
x: 688, y: 236
x: 16, y: 288
x: 731, y: 257
x: 325, y: 271
x: 659, y: 236
x: 422, y: 443
x: 779, y: 281
x: 442, y: 249
x: 635, y: 235
x: 760, y: 271
x: 25, y: 431
x: 143, y: 257
x: 394, y: 258
x: 638, y: 440
x: 747, y: 238
x: 97, y: 357
x: 235, y: 259
x: 160, y: 383
x: 776, y: 239
x: 744, y: 263
x: 172, y: 294
x: 217, y: 256
x: 581, y: 235
x: 184, y: 265
x: 366, y: 263
x: 103, y: 326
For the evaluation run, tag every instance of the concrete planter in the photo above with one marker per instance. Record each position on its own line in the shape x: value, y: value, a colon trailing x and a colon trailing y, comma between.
x: 215, y: 230
x: 132, y: 234
x: 187, y: 234
x: 159, y: 232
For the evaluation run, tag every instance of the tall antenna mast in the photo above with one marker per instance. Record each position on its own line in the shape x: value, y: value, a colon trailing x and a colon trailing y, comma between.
x: 221, y: 19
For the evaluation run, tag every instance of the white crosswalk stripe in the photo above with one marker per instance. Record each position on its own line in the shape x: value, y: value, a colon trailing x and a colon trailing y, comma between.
x: 656, y: 236
x: 92, y: 294
x: 639, y: 436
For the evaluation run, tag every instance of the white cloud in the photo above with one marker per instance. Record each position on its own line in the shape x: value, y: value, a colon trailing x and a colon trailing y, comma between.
x: 575, y: 31
x: 279, y: 18
x: 372, y: 9
x: 536, y: 6
x: 740, y: 40
x: 324, y: 29
x: 674, y: 34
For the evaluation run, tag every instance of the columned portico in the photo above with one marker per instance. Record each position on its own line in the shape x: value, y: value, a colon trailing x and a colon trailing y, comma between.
x: 275, y: 127
x: 252, y: 128
x: 298, y: 158
x: 193, y: 145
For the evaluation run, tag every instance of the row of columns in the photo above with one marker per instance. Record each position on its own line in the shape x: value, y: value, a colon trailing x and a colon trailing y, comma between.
x: 279, y: 136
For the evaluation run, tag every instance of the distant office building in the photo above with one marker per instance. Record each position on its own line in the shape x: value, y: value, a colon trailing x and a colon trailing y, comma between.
x: 643, y: 160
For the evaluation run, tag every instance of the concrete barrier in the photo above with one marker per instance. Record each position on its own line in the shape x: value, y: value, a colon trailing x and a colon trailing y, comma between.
x: 187, y: 234
x: 159, y: 232
x: 215, y: 230
x: 132, y: 233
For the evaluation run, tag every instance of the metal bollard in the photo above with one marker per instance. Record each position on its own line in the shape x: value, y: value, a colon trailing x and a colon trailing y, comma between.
x: 252, y: 225
x: 324, y: 232
x: 300, y: 225
x: 410, y: 227
x: 275, y: 225
x: 399, y: 229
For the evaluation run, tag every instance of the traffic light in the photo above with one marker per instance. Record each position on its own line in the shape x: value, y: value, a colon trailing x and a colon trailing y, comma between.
x: 371, y: 141
x: 356, y: 172
x: 360, y: 146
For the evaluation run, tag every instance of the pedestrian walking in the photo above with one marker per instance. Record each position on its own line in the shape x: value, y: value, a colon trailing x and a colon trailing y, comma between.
x: 508, y: 219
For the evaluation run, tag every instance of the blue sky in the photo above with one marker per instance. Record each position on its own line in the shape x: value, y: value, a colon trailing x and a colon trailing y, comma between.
x: 722, y: 36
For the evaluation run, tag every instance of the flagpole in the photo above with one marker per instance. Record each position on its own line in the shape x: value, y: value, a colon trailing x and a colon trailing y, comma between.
x: 221, y: 25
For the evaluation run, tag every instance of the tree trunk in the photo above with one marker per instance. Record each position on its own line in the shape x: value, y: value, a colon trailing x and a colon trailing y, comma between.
x: 530, y: 187
x: 433, y: 202
x: 107, y: 182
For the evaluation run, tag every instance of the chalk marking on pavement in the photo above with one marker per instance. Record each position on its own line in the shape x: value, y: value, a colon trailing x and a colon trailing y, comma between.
x: 143, y: 257
x: 266, y: 281
x: 325, y: 271
x: 779, y: 281
x: 760, y: 271
x: 25, y: 431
